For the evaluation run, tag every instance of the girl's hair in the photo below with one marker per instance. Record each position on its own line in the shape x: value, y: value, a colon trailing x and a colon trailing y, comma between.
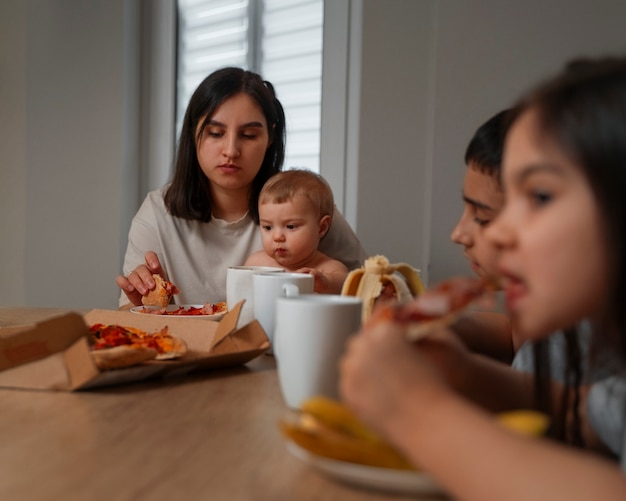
x: 189, y: 195
x: 284, y: 186
x: 583, y: 111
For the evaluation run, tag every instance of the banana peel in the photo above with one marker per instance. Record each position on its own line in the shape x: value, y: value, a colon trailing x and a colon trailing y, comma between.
x: 376, y: 275
x: 327, y: 428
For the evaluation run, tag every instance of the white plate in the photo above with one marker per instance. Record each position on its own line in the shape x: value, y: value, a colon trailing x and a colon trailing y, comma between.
x: 383, y: 479
x: 173, y: 307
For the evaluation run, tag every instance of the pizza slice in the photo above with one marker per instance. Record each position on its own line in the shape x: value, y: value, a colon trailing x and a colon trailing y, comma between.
x: 439, y: 305
x: 161, y: 294
x: 115, y: 346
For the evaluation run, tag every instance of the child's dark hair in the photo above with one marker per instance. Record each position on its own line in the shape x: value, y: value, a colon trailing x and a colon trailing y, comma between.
x: 189, y: 196
x: 484, y: 151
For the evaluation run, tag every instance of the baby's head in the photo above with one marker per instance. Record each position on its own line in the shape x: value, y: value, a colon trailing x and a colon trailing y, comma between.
x: 482, y: 194
x: 287, y: 185
x: 295, y: 212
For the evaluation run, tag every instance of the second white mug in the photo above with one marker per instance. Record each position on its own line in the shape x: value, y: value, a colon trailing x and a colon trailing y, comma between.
x: 268, y: 287
x: 239, y: 286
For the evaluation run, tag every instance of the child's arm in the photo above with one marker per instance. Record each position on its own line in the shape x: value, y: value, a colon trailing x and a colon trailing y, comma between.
x: 488, y: 333
x: 259, y: 258
x: 408, y: 393
x: 329, y: 277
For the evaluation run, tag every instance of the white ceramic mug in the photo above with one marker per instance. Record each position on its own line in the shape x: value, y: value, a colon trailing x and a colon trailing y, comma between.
x: 239, y: 286
x: 309, y: 340
x: 270, y: 286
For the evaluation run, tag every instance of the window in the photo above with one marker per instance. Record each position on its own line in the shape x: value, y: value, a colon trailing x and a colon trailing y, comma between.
x: 280, y: 39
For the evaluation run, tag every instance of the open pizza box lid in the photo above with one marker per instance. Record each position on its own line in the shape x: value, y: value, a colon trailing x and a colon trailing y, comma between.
x: 54, y: 354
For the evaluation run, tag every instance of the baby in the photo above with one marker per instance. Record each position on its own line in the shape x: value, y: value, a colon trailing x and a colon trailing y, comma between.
x: 295, y: 212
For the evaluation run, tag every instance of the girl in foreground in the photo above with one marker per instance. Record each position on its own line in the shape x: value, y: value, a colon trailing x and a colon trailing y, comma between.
x: 190, y: 231
x: 562, y: 241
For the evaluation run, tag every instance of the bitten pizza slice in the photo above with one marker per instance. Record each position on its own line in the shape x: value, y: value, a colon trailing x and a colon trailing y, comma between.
x: 161, y: 294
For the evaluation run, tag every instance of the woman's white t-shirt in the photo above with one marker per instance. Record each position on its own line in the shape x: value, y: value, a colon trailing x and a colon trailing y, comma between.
x: 195, y: 255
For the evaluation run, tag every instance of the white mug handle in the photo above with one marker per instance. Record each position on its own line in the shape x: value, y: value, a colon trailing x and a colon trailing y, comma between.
x: 291, y: 290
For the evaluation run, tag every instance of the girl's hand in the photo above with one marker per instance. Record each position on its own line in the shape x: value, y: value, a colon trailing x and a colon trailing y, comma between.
x: 384, y: 376
x: 139, y: 281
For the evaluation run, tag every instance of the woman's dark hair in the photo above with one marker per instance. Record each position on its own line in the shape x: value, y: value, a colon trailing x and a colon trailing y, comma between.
x: 583, y: 111
x: 189, y: 194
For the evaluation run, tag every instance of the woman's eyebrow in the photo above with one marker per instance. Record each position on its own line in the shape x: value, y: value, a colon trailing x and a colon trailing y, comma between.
x: 242, y: 126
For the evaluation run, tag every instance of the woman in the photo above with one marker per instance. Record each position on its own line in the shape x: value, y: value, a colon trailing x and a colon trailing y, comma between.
x: 232, y: 141
x: 562, y: 244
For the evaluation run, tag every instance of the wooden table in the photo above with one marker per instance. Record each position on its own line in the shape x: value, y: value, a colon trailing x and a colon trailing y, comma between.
x: 210, y: 435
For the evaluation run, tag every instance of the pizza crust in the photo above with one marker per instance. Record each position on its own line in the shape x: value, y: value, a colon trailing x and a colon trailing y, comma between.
x: 122, y: 356
x: 176, y: 349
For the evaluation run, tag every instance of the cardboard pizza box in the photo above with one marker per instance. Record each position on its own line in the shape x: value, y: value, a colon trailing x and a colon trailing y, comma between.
x: 54, y: 354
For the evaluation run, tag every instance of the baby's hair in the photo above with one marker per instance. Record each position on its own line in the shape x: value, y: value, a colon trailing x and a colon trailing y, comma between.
x: 284, y: 186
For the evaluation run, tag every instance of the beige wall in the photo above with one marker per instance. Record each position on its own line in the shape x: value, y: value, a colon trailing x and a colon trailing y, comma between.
x: 431, y: 72
x: 428, y: 73
x: 68, y: 149
x: 12, y: 151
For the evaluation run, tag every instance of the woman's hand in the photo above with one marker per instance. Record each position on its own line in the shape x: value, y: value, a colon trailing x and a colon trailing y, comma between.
x: 139, y: 281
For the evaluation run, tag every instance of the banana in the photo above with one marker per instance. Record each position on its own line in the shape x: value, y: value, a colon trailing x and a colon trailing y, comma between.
x: 337, y: 416
x: 526, y: 422
x: 327, y: 428
x: 369, y: 281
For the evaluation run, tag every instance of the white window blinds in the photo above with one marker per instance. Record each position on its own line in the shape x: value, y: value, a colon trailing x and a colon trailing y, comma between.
x: 280, y: 39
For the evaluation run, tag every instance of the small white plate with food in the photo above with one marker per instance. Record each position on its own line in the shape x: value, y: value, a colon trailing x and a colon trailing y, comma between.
x: 205, y: 311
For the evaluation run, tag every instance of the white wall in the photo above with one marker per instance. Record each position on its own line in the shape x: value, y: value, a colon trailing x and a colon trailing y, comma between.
x: 488, y: 52
x: 432, y: 72
x: 12, y: 152
x: 428, y: 74
x: 70, y: 145
x: 389, y: 193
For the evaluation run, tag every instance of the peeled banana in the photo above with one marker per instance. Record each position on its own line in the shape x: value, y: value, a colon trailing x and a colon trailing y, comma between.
x: 376, y: 275
x: 328, y: 428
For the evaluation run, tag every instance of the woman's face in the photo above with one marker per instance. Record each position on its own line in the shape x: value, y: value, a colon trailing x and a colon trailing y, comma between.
x: 232, y: 146
x: 550, y: 234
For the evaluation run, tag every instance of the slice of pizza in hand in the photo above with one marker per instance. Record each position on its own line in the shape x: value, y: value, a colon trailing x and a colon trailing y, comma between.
x: 161, y: 294
x: 437, y: 306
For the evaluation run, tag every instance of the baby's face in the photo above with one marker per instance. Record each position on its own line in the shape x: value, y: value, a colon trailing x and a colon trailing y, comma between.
x: 483, y: 200
x: 290, y: 231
